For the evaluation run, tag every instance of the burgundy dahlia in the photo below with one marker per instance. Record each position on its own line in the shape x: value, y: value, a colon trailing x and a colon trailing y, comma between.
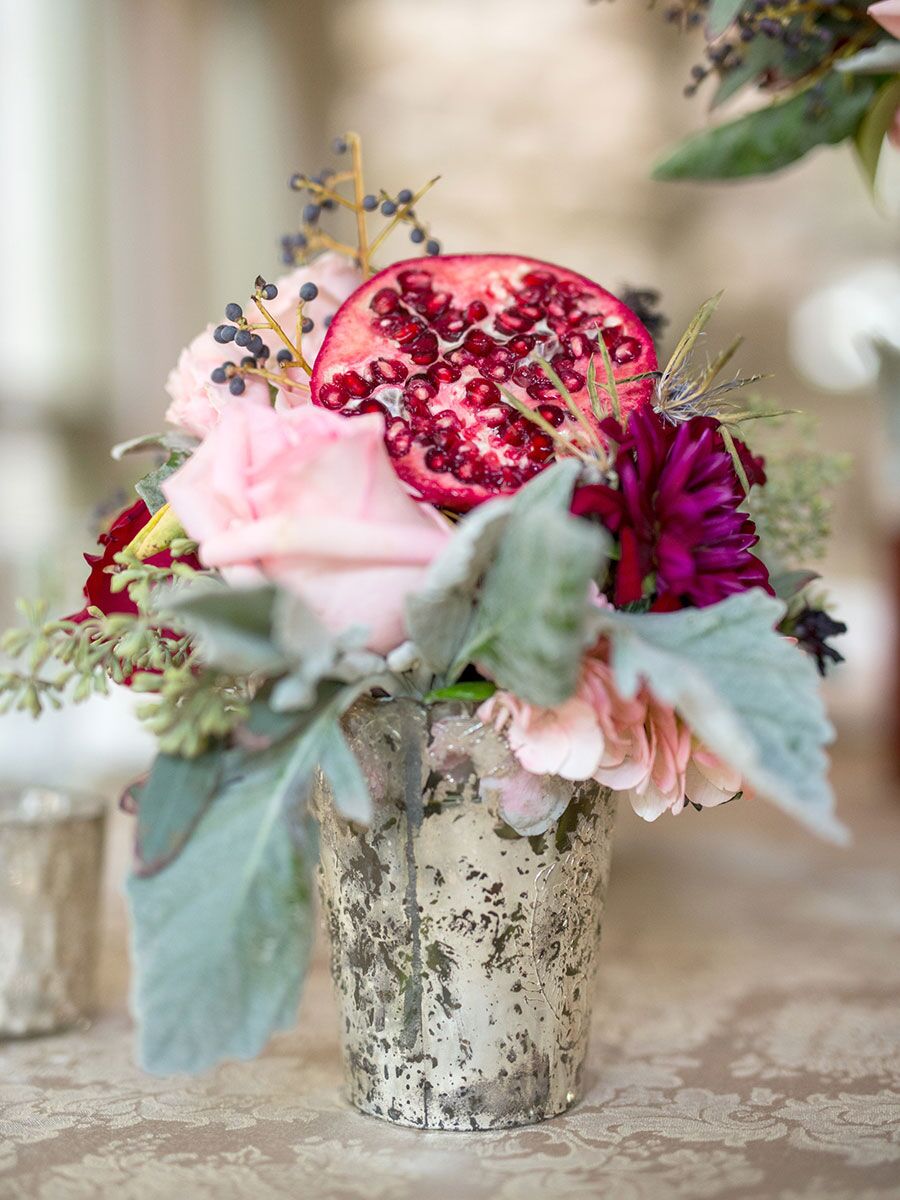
x: 676, y: 513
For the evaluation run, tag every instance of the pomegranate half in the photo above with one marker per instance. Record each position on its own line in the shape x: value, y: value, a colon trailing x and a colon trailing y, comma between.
x: 429, y: 343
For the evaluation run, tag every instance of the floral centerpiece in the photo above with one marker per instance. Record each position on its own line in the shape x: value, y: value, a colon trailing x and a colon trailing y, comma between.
x: 435, y: 563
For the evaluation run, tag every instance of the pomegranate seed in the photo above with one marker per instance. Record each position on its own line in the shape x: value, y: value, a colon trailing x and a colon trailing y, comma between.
x: 333, y: 395
x: 370, y: 406
x: 398, y: 438
x: 450, y: 325
x: 482, y: 391
x: 530, y: 295
x: 446, y: 419
x: 576, y: 345
x: 384, y: 301
x: 355, y: 384
x: 388, y: 370
x: 510, y: 478
x: 551, y: 414
x: 573, y: 380
x: 556, y: 308
x: 436, y: 460
x: 539, y: 279
x: 574, y: 317
x: 420, y: 388
x: 497, y: 370
x: 513, y: 320
x: 407, y: 331
x: 527, y: 373
x: 496, y: 416
x: 436, y: 303
x: 458, y: 359
x: 521, y: 345
x: 540, y: 447
x: 626, y: 351
x: 466, y: 464
x: 533, y: 311
x: 568, y: 287
x: 542, y: 391
x: 479, y: 343
x: 515, y: 435
x: 415, y: 280
x: 424, y: 349
x: 476, y: 311
x: 561, y: 362
x: 443, y: 372
x: 559, y: 325
x: 611, y: 335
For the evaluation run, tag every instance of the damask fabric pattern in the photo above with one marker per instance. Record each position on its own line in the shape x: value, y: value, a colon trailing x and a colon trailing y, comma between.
x: 746, y: 1044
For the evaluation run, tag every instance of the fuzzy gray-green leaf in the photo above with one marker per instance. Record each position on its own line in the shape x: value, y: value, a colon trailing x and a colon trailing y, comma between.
x: 531, y: 623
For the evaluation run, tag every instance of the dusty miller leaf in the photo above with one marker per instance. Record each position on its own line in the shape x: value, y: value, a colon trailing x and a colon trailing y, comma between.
x: 439, y: 615
x: 170, y: 802
x: 532, y: 620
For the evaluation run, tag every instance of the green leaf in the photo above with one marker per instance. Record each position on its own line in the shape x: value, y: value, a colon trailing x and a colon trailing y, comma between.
x: 232, y: 627
x: 221, y: 936
x: 469, y: 693
x: 883, y: 59
x: 745, y: 691
x: 874, y: 127
x: 348, y: 784
x: 171, y: 440
x: 439, y: 615
x: 170, y: 802
x: 150, y: 487
x: 788, y: 584
x: 531, y: 623
x: 765, y: 54
x: 723, y: 13
x: 772, y: 138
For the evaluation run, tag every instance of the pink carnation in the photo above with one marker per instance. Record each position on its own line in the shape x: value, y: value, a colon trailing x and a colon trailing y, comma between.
x: 310, y: 500
x: 197, y: 402
x: 639, y: 747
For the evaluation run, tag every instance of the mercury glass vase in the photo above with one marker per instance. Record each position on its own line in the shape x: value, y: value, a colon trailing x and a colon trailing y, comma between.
x: 51, y: 849
x: 463, y: 954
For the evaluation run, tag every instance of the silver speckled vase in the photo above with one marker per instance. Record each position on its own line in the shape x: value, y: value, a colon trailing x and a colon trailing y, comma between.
x: 463, y: 955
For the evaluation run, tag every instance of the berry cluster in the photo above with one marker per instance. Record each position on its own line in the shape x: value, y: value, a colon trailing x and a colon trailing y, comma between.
x: 323, y: 195
x: 807, y: 37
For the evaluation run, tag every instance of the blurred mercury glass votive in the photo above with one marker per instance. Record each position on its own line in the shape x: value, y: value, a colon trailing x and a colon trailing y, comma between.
x: 51, y: 853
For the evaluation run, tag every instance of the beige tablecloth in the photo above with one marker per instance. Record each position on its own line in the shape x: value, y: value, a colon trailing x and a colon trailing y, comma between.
x: 746, y: 1044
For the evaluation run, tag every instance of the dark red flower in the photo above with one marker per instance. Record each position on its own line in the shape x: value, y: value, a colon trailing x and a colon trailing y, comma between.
x: 98, y: 586
x: 676, y: 513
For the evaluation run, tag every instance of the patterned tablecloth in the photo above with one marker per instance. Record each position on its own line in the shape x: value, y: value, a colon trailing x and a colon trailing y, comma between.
x: 746, y: 1044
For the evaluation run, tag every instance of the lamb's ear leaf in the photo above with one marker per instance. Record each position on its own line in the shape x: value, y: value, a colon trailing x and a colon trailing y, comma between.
x: 745, y: 691
x: 169, y: 804
x: 773, y: 137
x: 439, y: 615
x: 531, y: 624
x: 232, y: 627
x: 221, y: 936
x: 883, y: 59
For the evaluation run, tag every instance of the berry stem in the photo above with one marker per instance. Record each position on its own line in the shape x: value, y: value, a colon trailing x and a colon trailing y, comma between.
x: 276, y: 328
x: 401, y: 214
x: 362, y: 233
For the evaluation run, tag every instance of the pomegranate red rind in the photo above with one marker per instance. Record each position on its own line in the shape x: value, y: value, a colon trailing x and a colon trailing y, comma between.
x: 429, y: 343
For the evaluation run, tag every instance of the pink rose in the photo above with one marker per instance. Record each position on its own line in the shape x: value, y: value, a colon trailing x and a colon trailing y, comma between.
x: 197, y: 402
x: 887, y: 14
x: 310, y: 500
